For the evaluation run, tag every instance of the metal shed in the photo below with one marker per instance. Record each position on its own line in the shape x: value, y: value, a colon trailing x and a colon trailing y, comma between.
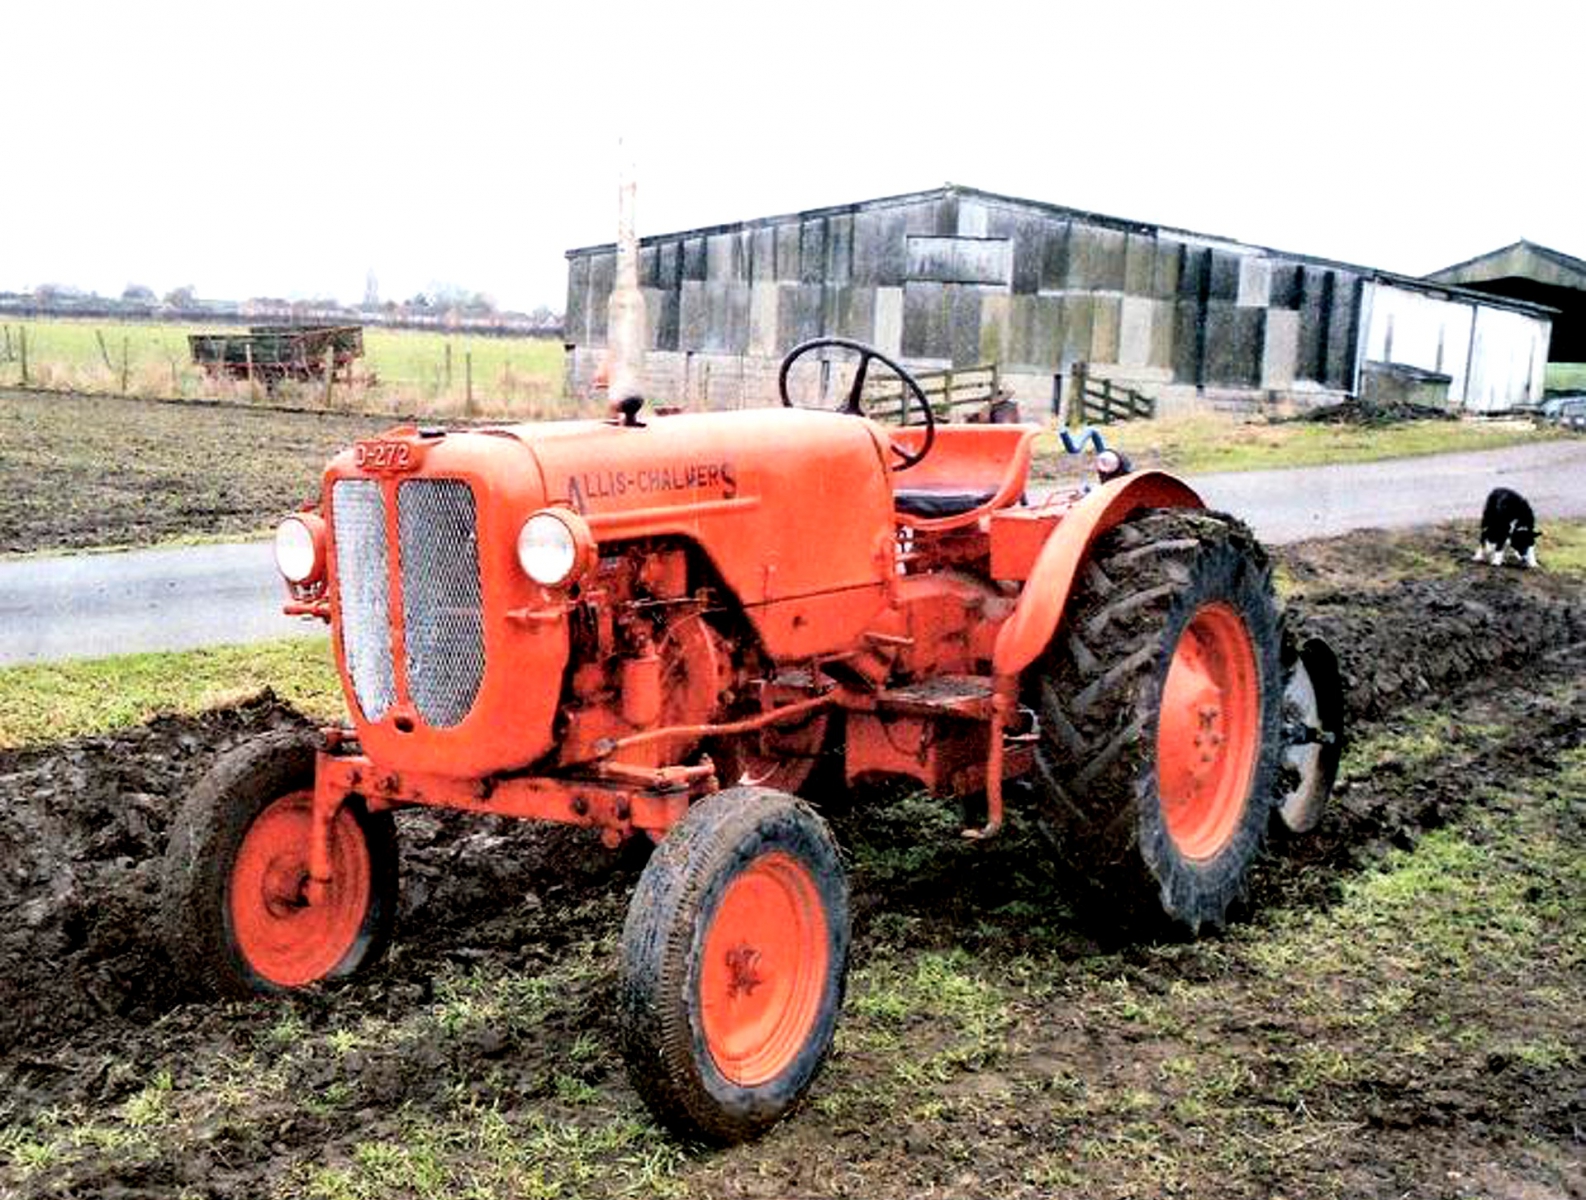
x: 955, y: 276
x: 1526, y: 271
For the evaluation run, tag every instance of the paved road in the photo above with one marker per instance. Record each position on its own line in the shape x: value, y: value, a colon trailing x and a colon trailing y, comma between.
x: 1305, y: 502
x: 85, y: 606
x: 91, y: 605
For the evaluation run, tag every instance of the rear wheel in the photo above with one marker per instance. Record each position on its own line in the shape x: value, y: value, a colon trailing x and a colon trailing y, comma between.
x: 1160, y: 713
x: 235, y: 889
x: 1313, y: 736
x: 734, y: 958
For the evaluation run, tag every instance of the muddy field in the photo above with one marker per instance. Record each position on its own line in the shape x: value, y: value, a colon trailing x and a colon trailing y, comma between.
x: 136, y: 472
x: 1396, y: 1014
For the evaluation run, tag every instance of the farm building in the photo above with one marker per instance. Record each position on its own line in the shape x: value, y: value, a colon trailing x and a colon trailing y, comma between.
x: 1061, y: 301
x: 1526, y: 271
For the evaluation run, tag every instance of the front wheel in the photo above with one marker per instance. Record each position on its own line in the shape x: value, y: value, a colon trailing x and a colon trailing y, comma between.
x: 1160, y: 706
x: 734, y: 960
x: 235, y: 889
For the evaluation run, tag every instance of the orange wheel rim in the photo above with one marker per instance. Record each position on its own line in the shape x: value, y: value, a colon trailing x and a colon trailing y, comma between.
x: 284, y: 939
x: 764, y: 970
x: 1208, y: 732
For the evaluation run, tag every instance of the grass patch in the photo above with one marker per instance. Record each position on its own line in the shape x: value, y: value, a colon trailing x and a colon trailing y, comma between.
x: 1207, y: 442
x: 1562, y: 549
x: 1565, y: 377
x: 402, y: 370
x: 49, y: 702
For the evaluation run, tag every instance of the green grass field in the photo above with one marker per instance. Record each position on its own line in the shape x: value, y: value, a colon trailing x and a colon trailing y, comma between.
x: 1207, y: 442
x: 1565, y: 377
x: 401, y: 370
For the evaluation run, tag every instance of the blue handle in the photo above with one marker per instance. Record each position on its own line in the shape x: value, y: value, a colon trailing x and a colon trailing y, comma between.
x: 1077, y: 445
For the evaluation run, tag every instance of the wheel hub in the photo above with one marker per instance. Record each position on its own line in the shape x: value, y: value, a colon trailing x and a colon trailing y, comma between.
x: 1207, y: 731
x: 283, y: 938
x: 284, y: 888
x: 763, y: 970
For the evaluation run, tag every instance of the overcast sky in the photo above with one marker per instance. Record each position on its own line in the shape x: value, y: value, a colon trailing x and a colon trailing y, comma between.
x: 292, y: 148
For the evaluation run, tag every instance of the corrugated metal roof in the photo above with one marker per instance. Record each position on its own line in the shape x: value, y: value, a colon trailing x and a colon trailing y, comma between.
x: 1567, y: 262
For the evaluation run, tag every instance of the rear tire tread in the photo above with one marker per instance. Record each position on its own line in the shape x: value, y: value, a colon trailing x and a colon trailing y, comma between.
x: 1097, y: 691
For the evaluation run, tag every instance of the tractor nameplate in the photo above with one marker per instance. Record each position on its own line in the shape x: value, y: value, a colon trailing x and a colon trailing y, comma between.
x: 385, y: 457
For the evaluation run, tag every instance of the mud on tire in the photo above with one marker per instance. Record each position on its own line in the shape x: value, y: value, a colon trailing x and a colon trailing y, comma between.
x: 238, y: 848
x: 734, y: 961
x: 1189, y: 585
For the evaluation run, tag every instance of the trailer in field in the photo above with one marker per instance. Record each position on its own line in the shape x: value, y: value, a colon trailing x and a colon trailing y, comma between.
x: 271, y: 353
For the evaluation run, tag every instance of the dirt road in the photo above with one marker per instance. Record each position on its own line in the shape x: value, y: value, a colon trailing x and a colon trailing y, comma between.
x: 84, y: 607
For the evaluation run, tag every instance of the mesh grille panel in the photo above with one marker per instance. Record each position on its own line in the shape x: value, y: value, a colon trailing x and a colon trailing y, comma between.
x: 440, y: 596
x: 358, y: 514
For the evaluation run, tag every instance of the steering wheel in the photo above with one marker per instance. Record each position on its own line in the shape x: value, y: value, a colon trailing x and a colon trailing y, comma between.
x: 911, y: 389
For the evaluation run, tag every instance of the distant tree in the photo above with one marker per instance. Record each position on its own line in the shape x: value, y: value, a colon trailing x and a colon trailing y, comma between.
x: 181, y: 297
x: 53, y: 293
x: 137, y: 293
x: 545, y: 318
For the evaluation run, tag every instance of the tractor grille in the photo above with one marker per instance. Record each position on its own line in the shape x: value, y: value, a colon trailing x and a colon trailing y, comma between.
x: 440, y: 592
x: 364, y: 584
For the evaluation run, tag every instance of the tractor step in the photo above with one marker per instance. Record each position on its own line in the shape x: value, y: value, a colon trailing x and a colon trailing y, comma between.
x: 946, y: 695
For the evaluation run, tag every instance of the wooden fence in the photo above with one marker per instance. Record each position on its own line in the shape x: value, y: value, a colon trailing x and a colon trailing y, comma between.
x: 948, y: 391
x: 1103, y: 402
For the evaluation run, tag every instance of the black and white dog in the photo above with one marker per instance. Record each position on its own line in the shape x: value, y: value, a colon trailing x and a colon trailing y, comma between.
x: 1507, y: 522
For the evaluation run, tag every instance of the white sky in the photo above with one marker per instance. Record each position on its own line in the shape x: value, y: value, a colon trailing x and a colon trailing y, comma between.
x: 289, y: 148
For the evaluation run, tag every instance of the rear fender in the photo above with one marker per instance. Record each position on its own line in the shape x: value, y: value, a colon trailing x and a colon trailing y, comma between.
x: 1029, y: 629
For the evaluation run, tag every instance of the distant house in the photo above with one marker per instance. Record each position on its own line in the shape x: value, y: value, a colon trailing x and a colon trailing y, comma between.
x: 955, y: 276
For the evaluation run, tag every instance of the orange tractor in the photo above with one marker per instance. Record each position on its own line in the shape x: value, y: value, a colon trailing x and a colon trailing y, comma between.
x: 673, y: 628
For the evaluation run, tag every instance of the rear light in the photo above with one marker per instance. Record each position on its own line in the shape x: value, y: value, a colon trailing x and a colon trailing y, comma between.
x: 300, y: 548
x: 555, y: 547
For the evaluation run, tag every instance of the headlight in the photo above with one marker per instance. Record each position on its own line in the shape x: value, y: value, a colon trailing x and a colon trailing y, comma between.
x: 300, y: 548
x: 553, y: 546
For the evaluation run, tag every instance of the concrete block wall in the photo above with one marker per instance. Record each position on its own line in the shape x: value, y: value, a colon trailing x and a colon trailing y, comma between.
x: 956, y: 277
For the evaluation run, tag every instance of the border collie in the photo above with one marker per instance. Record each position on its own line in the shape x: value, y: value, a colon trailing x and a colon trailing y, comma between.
x: 1507, y: 522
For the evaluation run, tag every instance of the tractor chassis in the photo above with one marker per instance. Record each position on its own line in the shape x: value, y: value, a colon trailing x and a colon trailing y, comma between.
x: 939, y: 734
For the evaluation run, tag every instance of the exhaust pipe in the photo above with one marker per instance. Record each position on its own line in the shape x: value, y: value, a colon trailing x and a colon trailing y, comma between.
x: 625, y: 313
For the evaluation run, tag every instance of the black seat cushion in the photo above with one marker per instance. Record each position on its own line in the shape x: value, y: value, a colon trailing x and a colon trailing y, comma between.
x: 937, y: 502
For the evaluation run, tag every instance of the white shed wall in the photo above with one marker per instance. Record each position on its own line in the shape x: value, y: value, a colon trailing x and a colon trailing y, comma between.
x: 1498, y: 368
x: 1508, y: 360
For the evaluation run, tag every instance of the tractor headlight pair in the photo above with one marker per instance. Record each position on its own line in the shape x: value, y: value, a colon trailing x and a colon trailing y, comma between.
x: 555, y: 546
x: 300, y: 548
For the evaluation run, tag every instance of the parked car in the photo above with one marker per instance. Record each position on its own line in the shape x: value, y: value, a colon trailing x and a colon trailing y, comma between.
x: 1566, y: 411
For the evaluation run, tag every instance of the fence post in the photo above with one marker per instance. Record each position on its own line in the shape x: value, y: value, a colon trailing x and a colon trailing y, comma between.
x: 468, y: 376
x: 126, y: 362
x: 448, y: 367
x: 104, y: 351
x: 1078, y: 385
x: 22, y: 341
x: 253, y: 384
x: 330, y: 373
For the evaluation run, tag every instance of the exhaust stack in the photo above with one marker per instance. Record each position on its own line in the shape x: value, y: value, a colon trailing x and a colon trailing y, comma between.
x: 625, y: 312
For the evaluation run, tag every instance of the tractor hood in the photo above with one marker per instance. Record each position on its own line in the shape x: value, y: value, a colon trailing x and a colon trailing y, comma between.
x: 786, y: 503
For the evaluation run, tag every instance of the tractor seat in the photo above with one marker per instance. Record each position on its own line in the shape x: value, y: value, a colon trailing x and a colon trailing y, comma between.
x: 938, y: 502
x: 969, y: 471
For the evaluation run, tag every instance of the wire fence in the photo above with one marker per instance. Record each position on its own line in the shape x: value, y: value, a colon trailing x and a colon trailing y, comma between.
x: 401, y: 372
